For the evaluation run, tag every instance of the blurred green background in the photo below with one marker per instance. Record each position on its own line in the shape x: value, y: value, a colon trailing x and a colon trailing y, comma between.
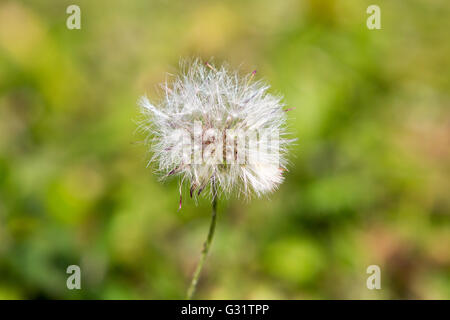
x: 369, y: 179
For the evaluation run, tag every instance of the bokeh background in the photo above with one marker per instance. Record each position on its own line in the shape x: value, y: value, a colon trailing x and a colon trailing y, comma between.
x: 369, y: 180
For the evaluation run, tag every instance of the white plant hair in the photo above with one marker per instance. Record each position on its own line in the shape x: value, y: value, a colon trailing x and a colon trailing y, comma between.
x: 201, y: 100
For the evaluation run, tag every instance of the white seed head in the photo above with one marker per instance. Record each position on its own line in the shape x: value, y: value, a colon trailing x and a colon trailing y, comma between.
x: 215, y: 127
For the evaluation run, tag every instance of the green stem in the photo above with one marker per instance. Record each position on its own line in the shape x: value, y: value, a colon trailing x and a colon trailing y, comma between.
x: 206, y: 247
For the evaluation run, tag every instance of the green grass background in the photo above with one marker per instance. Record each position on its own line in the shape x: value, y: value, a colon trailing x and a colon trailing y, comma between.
x: 369, y: 179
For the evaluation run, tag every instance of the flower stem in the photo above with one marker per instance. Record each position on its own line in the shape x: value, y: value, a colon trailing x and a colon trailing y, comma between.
x: 206, y: 247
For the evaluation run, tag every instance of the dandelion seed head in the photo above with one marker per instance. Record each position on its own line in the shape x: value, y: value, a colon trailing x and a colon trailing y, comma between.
x: 202, y: 113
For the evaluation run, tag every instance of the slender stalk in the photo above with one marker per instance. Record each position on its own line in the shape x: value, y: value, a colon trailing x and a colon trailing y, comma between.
x: 206, y: 247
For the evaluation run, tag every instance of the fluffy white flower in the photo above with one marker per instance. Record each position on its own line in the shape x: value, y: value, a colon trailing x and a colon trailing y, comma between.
x: 217, y: 131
